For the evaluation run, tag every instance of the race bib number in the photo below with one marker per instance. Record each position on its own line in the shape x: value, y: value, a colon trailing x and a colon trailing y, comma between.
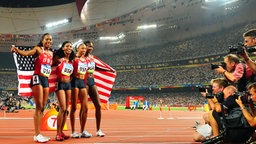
x: 35, y: 80
x: 81, y: 68
x: 67, y: 69
x: 91, y: 67
x: 46, y: 70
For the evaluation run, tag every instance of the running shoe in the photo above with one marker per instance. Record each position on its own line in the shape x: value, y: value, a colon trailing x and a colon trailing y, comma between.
x: 85, y: 134
x: 41, y: 139
x: 75, y: 135
x: 65, y: 136
x: 59, y: 137
x: 100, y: 133
x: 197, y: 123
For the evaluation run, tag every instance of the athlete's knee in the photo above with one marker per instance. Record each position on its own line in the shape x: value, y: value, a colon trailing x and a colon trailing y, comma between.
x: 41, y: 108
x: 84, y: 109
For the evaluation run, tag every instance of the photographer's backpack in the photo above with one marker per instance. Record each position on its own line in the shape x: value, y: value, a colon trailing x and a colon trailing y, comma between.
x: 236, y: 127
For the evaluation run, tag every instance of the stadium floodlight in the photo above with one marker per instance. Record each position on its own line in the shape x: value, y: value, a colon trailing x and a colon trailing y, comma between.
x: 147, y: 26
x: 222, y: 2
x: 57, y: 23
x: 121, y: 36
x: 113, y: 38
x: 207, y: 1
x: 109, y: 38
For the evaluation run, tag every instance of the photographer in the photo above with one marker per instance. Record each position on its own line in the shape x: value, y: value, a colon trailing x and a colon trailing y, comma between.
x: 250, y: 117
x: 235, y: 72
x: 217, y: 86
x: 249, y: 41
x: 204, y: 131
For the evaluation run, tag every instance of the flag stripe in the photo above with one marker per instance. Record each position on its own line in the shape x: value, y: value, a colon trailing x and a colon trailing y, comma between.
x: 104, y: 91
x: 24, y: 81
x: 25, y: 94
x: 24, y: 85
x: 25, y: 91
x: 101, y: 85
x: 104, y: 75
x: 104, y: 83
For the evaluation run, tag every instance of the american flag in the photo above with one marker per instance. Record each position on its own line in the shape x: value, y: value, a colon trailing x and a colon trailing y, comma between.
x: 104, y: 78
x: 25, y: 70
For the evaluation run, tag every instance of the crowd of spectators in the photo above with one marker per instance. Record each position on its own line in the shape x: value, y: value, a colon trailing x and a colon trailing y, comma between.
x: 165, y: 77
x: 204, y: 45
x: 8, y: 81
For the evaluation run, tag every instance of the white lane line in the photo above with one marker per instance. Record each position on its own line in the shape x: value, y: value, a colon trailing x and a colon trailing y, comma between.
x: 16, y: 118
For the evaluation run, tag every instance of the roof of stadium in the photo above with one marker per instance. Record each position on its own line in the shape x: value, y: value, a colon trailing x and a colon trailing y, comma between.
x: 30, y: 16
x: 188, y: 16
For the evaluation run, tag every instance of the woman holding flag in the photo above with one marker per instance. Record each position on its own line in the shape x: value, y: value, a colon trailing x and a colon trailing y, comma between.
x: 39, y: 81
x: 63, y: 60
x: 92, y: 88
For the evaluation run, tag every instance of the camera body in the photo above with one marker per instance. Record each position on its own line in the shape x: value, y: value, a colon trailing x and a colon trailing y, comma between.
x: 219, y: 96
x: 206, y: 88
x: 245, y: 98
x: 238, y: 49
x: 214, y: 66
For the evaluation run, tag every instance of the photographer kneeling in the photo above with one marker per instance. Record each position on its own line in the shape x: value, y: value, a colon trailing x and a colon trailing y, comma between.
x: 217, y: 86
x: 219, y: 119
x: 204, y: 131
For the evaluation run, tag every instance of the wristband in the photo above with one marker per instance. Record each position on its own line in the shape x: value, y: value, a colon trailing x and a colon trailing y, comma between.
x: 242, y: 108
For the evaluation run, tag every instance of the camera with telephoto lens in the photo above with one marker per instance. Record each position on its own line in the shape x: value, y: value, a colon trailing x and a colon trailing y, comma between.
x: 238, y: 49
x: 214, y: 66
x: 205, y: 88
x: 219, y: 95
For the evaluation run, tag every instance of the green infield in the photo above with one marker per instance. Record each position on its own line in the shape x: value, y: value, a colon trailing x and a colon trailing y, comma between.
x: 163, y: 108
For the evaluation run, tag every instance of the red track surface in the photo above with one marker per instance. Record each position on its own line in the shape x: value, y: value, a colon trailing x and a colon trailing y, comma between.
x: 125, y: 126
